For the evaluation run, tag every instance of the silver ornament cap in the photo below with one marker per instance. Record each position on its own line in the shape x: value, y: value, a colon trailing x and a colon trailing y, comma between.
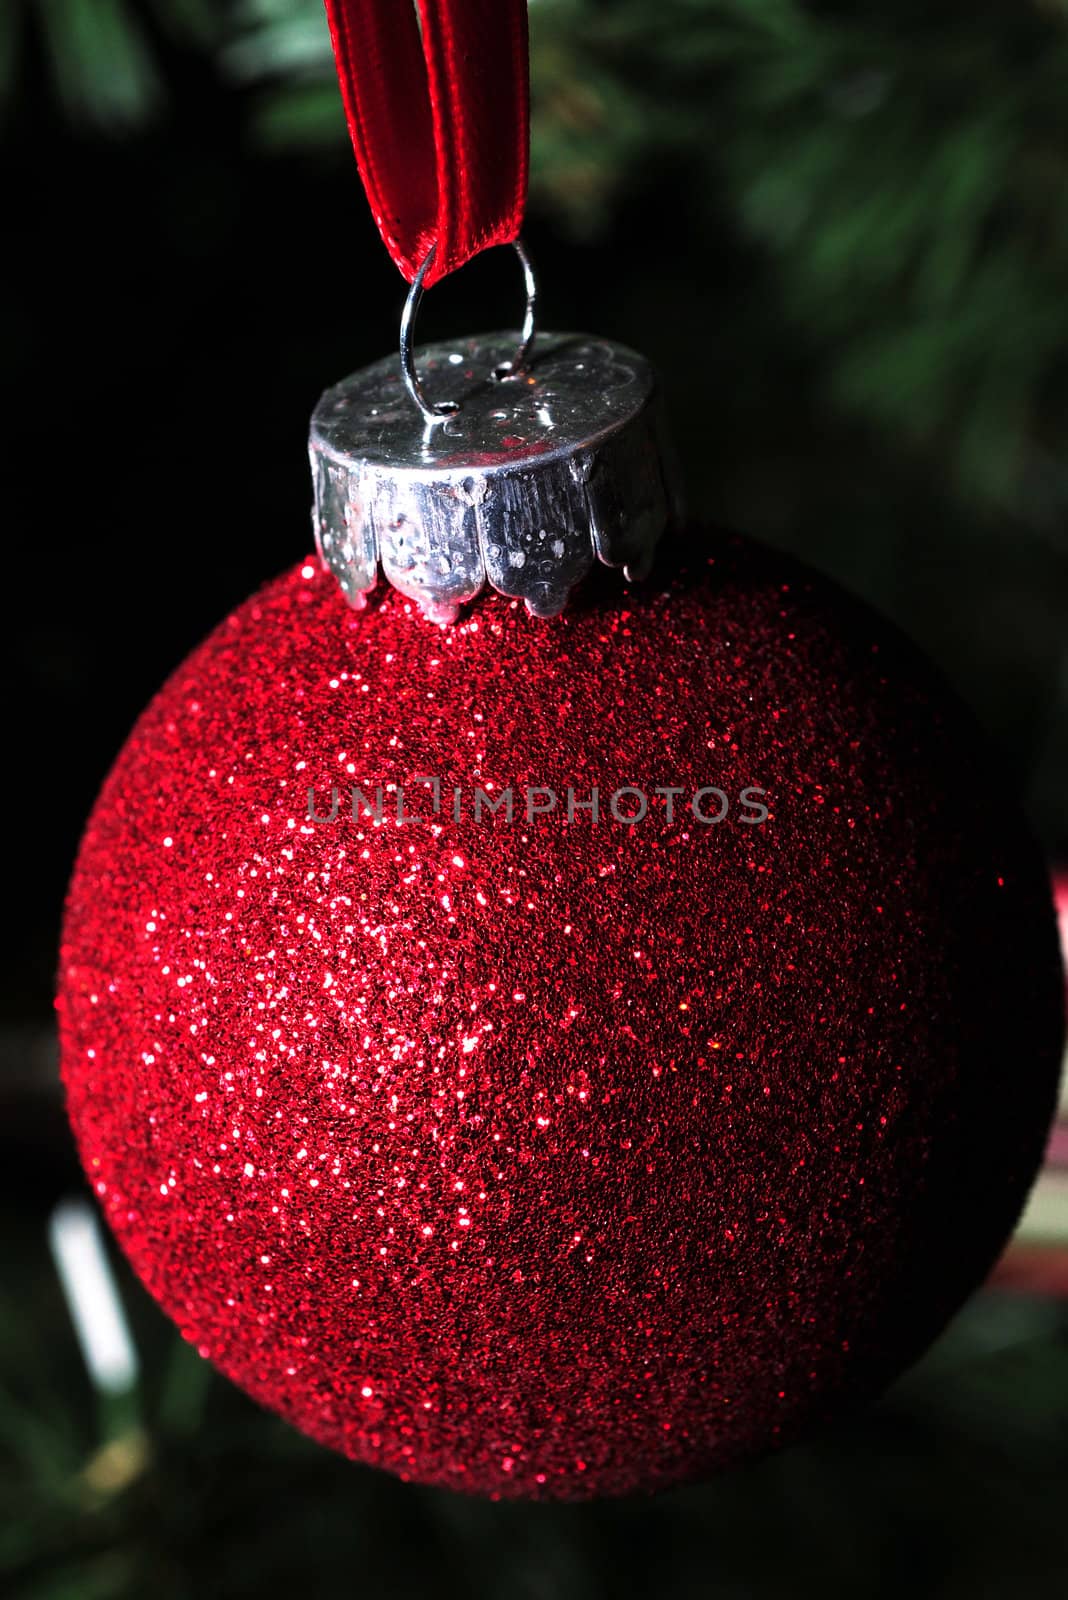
x: 484, y: 470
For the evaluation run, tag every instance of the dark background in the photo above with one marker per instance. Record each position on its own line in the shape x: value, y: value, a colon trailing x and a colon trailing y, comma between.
x: 842, y: 233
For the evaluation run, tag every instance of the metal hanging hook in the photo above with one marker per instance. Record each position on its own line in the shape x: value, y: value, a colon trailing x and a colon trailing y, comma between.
x: 438, y: 411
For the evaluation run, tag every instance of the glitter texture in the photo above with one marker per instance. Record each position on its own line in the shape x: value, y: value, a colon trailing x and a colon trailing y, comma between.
x: 560, y: 1158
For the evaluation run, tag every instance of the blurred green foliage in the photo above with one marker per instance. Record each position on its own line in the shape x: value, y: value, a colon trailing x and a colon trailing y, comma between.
x: 903, y: 168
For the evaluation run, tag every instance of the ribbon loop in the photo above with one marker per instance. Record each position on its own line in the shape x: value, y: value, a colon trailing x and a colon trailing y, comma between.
x: 439, y: 119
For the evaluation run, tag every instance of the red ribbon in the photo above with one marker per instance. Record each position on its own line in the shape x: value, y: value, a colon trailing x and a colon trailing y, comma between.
x: 439, y: 122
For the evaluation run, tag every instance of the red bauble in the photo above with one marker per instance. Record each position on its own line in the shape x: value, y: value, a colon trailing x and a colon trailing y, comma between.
x: 560, y: 1157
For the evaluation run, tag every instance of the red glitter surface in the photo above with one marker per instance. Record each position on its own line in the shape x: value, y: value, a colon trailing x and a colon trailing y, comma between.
x: 563, y: 1157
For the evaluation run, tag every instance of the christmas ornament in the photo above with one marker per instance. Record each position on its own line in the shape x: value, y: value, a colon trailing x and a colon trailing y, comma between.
x: 577, y: 1046
x: 535, y: 1150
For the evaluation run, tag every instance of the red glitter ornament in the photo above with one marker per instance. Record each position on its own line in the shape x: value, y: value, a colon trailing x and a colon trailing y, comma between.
x: 568, y: 1155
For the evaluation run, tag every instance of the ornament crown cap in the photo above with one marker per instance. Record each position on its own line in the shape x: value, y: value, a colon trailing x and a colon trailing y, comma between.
x: 537, y: 473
